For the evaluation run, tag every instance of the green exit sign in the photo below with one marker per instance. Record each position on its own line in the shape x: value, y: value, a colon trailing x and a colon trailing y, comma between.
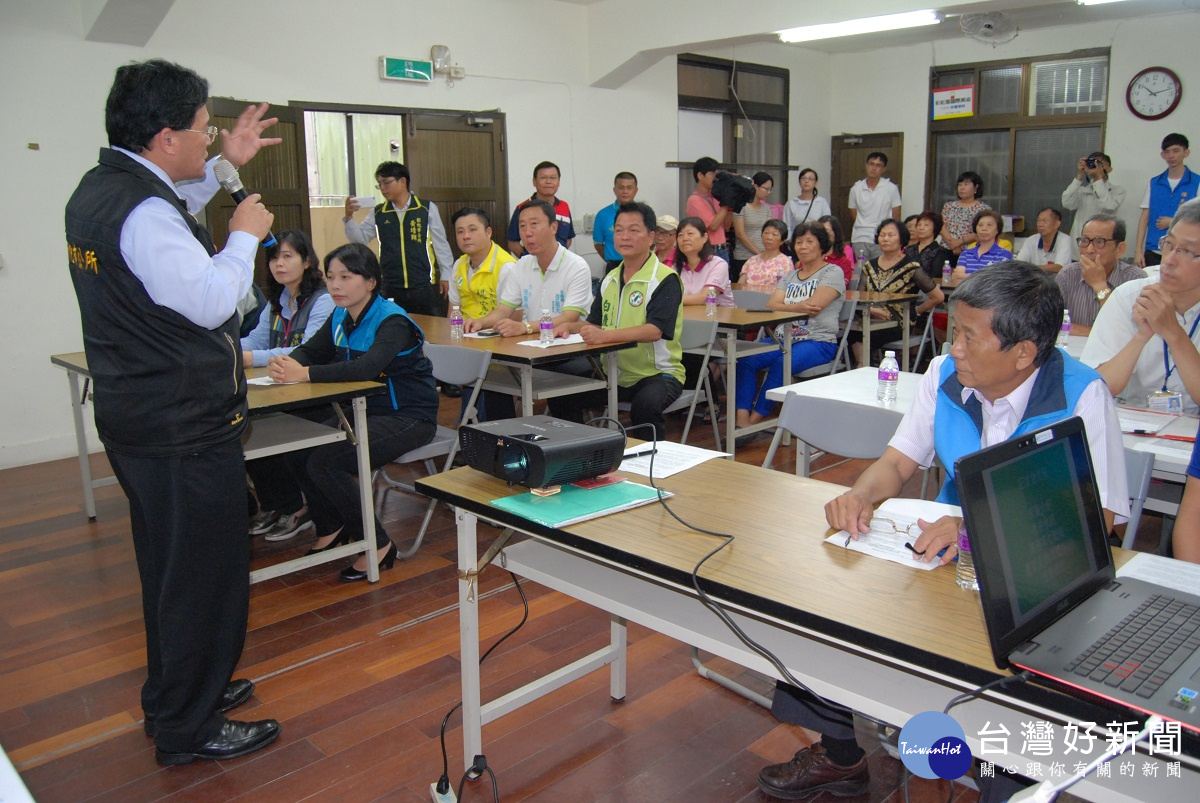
x: 405, y: 69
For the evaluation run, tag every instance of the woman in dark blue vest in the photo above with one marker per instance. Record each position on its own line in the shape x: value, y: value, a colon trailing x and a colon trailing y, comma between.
x: 366, y: 338
x: 297, y: 306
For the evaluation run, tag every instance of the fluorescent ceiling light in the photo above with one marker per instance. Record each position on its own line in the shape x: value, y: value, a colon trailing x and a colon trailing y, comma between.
x: 888, y: 22
x: 1096, y: 2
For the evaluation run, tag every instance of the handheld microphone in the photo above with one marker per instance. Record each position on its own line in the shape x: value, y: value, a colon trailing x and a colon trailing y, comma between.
x: 231, y: 182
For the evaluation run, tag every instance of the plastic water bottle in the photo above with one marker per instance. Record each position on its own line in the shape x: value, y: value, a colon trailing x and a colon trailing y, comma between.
x: 1065, y: 331
x: 710, y: 302
x: 547, y: 326
x: 965, y: 571
x: 947, y: 271
x: 889, y: 378
x: 456, y: 323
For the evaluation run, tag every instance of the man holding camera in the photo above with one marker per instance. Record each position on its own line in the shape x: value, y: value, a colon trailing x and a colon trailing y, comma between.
x: 1090, y: 192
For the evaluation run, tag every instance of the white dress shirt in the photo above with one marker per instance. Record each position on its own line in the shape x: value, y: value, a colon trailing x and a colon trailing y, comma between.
x: 173, y: 266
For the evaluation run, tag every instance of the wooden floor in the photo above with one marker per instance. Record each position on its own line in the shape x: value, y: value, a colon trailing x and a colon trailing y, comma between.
x: 360, y: 676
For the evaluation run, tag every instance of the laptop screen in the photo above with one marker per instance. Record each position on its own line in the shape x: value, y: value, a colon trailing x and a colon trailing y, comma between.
x: 1033, y: 516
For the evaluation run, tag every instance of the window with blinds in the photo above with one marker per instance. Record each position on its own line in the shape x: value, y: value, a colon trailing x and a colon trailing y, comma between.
x: 1071, y: 86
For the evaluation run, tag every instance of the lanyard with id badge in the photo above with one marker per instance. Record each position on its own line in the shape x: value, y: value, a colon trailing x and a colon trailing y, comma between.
x: 1169, y: 401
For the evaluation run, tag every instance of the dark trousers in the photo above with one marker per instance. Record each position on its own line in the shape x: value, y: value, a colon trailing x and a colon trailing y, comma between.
x: 423, y: 299
x: 648, y: 398
x: 188, y: 516
x: 276, y: 489
x: 735, y: 268
x: 1152, y: 257
x: 330, y: 478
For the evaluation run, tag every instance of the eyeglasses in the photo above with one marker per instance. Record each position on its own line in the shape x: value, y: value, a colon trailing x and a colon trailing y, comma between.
x: 888, y: 527
x: 385, y: 183
x: 1167, y: 247
x: 209, y: 133
x: 1097, y: 242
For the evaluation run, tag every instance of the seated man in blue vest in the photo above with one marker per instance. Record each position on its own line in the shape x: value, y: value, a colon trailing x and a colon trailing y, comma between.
x: 640, y: 300
x: 1003, y: 377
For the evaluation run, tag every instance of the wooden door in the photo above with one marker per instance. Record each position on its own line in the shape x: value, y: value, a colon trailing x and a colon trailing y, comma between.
x: 278, y: 172
x: 849, y: 159
x: 457, y: 159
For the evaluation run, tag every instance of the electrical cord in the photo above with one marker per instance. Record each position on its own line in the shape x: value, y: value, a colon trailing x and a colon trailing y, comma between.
x: 478, y: 768
x: 443, y: 784
x: 705, y: 599
x: 999, y: 683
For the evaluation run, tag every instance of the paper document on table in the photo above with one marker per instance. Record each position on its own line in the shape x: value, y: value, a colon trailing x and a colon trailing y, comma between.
x: 669, y: 458
x: 1177, y: 574
x: 1174, y: 449
x: 266, y: 380
x: 890, y: 530
x: 1142, y: 422
x: 1182, y: 428
x: 569, y: 340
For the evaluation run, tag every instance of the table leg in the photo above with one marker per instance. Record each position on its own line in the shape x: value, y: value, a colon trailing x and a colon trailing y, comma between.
x: 366, y: 497
x: 85, y: 467
x: 730, y: 336
x: 526, y: 390
x: 468, y: 637
x: 866, y: 329
x: 610, y: 362
x: 904, y: 335
x: 616, y: 670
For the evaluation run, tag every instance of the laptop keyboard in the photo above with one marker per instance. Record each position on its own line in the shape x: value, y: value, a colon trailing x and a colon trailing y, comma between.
x: 1140, y: 653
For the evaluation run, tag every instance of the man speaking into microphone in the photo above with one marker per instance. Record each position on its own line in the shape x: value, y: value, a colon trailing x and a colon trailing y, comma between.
x: 157, y: 304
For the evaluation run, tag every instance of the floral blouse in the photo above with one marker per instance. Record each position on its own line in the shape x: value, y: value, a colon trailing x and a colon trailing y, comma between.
x: 769, y: 272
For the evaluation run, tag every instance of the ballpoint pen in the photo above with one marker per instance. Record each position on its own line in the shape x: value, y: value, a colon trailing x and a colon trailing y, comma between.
x: 645, y: 453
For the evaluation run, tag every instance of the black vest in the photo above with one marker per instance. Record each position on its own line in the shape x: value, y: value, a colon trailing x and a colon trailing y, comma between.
x: 162, y: 385
x: 403, y: 246
x: 284, y: 335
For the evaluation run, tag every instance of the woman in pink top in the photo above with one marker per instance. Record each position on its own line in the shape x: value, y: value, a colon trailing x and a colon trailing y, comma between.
x: 772, y: 264
x: 698, y: 266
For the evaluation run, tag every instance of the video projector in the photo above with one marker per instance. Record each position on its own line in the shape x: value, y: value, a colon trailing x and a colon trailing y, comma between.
x: 540, y: 450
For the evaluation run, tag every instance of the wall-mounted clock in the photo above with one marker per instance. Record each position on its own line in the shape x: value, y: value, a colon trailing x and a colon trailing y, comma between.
x: 1154, y: 93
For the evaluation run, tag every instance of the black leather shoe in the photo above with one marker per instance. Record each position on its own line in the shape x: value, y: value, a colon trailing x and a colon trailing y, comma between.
x: 237, y: 692
x: 810, y: 771
x: 353, y: 575
x: 234, y: 739
x: 451, y: 391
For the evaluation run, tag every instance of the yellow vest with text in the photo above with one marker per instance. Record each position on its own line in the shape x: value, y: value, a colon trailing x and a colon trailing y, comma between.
x: 477, y: 293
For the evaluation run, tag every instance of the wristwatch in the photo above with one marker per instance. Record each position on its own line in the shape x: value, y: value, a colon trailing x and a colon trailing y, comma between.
x: 529, y: 326
x: 1103, y: 294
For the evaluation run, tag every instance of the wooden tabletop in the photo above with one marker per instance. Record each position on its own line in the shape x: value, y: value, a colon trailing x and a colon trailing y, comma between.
x: 508, y: 349
x: 263, y: 399
x: 779, y: 565
x: 737, y: 318
x: 851, y: 295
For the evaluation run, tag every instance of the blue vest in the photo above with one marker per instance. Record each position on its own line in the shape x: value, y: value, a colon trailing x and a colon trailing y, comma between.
x: 957, y: 427
x: 1164, y: 202
x: 409, y: 375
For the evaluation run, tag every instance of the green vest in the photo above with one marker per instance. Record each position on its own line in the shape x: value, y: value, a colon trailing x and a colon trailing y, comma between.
x: 626, y: 306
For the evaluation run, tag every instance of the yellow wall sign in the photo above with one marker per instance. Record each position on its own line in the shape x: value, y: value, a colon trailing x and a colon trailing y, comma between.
x: 953, y: 101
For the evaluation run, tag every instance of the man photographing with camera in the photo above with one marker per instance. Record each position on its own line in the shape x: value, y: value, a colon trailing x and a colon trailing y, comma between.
x: 1090, y: 192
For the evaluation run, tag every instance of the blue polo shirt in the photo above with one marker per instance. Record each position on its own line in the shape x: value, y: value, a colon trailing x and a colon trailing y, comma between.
x: 602, y: 231
x: 1165, y: 201
x: 971, y: 260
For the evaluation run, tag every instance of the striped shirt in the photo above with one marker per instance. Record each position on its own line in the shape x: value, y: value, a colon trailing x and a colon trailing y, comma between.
x: 1080, y: 298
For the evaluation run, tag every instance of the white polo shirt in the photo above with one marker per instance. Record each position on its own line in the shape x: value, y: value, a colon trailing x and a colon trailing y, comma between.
x: 874, y: 206
x: 566, y: 285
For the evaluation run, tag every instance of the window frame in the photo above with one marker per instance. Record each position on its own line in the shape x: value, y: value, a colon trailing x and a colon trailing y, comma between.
x: 1012, y: 122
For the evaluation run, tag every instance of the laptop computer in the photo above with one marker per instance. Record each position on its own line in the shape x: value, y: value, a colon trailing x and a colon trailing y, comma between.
x: 1049, y: 589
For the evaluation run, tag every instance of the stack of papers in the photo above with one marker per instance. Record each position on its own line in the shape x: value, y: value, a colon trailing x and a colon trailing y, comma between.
x: 668, y: 458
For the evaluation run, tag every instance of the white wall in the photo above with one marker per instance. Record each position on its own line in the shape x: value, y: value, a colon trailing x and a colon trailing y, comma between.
x: 887, y: 90
x: 524, y: 56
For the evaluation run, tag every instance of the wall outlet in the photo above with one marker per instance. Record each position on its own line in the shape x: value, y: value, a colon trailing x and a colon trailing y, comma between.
x: 458, y: 72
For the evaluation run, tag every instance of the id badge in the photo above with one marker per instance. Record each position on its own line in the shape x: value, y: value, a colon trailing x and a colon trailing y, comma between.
x: 1165, y: 401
